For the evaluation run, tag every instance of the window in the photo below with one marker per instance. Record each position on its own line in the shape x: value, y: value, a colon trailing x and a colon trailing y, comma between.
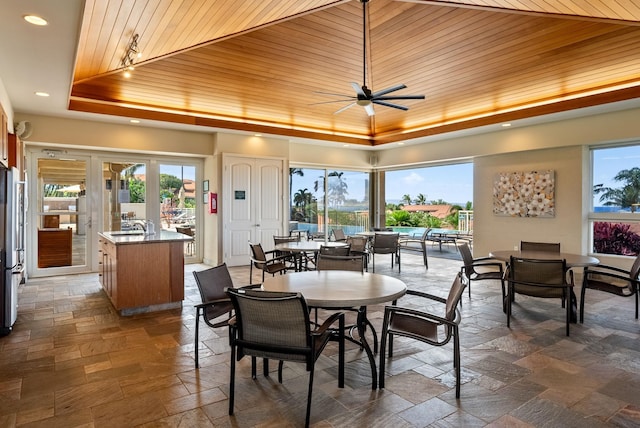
x: 346, y: 205
x: 615, y: 216
x: 435, y: 197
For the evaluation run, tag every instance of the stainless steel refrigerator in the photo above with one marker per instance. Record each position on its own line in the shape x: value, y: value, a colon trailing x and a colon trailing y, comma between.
x: 12, y: 240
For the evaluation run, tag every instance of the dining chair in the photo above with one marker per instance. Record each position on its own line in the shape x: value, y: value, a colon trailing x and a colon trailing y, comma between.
x: 385, y: 243
x: 613, y: 280
x: 328, y: 250
x: 480, y: 269
x: 416, y: 244
x: 359, y: 245
x: 338, y: 235
x: 436, y: 329
x: 266, y: 261
x: 215, y: 302
x: 540, y: 278
x: 550, y: 247
x: 275, y: 325
x: 340, y: 262
x: 289, y: 255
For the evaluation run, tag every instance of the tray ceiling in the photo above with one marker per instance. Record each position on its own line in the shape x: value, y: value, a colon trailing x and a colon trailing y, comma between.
x: 259, y: 66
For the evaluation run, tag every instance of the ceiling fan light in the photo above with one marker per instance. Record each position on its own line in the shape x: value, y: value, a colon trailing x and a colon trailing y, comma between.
x: 363, y: 103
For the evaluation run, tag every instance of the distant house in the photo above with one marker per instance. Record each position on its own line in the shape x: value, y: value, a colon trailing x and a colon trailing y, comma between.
x: 439, y: 211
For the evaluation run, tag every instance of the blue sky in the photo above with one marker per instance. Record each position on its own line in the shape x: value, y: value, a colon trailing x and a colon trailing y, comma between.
x: 452, y: 183
x: 608, y: 162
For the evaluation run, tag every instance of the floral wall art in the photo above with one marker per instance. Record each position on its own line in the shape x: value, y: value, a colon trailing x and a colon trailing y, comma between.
x: 524, y: 194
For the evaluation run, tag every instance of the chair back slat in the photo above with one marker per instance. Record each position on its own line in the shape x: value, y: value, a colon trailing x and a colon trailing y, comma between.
x: 212, y: 282
x: 272, y: 325
x: 549, y: 247
x: 335, y: 251
x: 453, y: 299
x: 350, y: 263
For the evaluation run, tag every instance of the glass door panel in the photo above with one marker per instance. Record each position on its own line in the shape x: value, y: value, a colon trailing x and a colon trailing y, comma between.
x: 62, y: 219
x: 178, y: 202
x: 124, y: 196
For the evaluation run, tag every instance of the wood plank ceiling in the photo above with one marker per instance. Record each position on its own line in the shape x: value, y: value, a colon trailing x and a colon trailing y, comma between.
x: 261, y: 66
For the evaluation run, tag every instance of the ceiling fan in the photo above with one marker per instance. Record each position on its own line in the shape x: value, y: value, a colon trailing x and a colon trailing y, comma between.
x: 364, y: 96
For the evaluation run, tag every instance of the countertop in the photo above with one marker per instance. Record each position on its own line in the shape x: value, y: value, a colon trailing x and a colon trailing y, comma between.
x: 139, y: 237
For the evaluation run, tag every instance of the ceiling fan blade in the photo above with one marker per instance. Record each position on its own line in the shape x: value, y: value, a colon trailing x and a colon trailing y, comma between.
x: 388, y: 90
x: 344, y: 108
x: 369, y: 109
x: 358, y: 90
x: 386, y: 104
x: 350, y: 99
x: 332, y: 94
x: 400, y: 97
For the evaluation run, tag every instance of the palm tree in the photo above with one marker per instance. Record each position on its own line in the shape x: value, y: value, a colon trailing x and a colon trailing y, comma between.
x: 406, y: 199
x: 301, y: 199
x: 627, y: 196
x: 420, y: 199
x: 337, y: 188
x: 292, y: 172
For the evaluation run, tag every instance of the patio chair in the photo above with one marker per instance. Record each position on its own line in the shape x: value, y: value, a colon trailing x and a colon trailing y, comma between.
x: 274, y: 325
x: 290, y: 256
x: 550, y: 247
x: 342, y: 262
x: 215, y: 302
x: 266, y: 261
x: 613, y: 280
x: 540, y: 278
x: 338, y: 235
x: 359, y: 245
x: 385, y: 243
x: 334, y: 251
x: 427, y: 327
x: 416, y: 244
x: 480, y: 269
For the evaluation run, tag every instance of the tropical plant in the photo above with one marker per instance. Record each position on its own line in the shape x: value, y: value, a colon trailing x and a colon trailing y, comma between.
x: 169, y: 185
x: 294, y: 171
x: 627, y: 196
x: 406, y: 199
x: 302, y: 199
x: 420, y: 199
x: 137, y: 190
x: 615, y: 238
x: 399, y: 218
x: 337, y: 188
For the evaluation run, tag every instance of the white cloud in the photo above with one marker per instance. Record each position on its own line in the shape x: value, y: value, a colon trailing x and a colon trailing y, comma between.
x: 413, y: 178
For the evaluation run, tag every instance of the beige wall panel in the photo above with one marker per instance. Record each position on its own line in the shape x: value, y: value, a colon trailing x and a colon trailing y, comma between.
x: 325, y: 156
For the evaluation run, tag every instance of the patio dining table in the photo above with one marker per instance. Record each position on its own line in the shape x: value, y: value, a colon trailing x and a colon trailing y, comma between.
x: 337, y: 289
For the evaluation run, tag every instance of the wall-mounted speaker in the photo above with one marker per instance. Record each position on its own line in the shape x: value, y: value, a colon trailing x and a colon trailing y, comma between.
x: 373, y: 160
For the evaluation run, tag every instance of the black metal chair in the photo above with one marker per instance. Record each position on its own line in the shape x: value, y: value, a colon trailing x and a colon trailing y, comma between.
x: 385, y: 243
x: 215, y: 302
x: 266, y: 261
x: 549, y: 247
x: 613, y: 280
x: 540, y: 278
x: 480, y: 269
x: 416, y: 244
x: 276, y: 326
x: 427, y: 327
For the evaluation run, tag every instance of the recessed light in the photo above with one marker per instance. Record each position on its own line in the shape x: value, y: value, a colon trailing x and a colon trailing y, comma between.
x: 506, y: 125
x: 134, y: 121
x: 41, y: 94
x: 35, y: 20
x: 257, y: 135
x: 401, y: 143
x: 127, y: 74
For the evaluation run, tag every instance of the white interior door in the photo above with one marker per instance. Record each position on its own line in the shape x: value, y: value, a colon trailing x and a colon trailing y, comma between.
x: 253, y: 205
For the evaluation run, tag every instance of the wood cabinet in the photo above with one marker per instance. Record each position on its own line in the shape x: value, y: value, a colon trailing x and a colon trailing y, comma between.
x: 16, y: 154
x: 54, y: 247
x: 142, y: 277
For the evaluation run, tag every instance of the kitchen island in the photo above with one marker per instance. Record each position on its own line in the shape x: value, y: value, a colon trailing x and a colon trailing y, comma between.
x: 140, y: 272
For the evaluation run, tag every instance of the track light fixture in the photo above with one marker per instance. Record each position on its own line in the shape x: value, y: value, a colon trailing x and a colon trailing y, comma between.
x: 132, y: 53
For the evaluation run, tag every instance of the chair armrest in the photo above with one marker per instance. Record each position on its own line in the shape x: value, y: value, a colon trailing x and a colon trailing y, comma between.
x: 211, y: 302
x: 426, y: 296
x: 421, y: 314
x: 613, y: 273
x: 485, y: 264
x: 602, y: 269
x: 250, y: 286
x: 327, y: 323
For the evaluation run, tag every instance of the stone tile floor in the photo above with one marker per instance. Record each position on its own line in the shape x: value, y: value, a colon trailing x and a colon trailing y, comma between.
x: 71, y: 361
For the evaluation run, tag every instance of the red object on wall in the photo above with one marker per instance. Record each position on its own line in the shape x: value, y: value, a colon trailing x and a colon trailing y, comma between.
x: 213, y: 203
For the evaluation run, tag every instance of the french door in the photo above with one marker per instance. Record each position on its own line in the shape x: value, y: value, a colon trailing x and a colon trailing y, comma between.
x: 253, y: 205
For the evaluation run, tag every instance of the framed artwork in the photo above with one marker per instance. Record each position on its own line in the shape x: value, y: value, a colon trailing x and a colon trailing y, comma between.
x: 205, y: 186
x: 205, y: 198
x: 524, y: 194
